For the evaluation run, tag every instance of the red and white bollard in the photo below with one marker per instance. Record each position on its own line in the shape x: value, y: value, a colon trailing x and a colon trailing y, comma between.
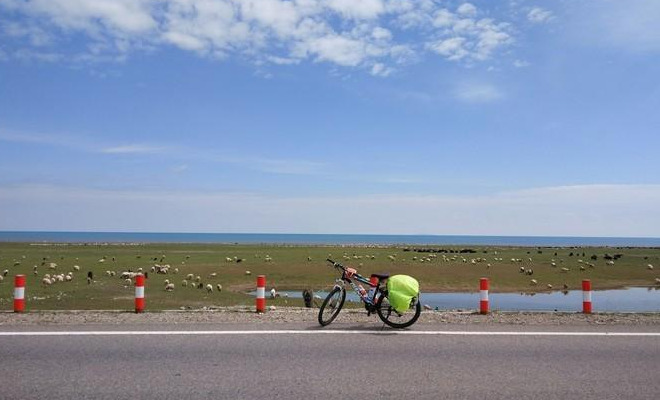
x: 586, y: 296
x: 139, y: 293
x: 19, y: 293
x: 261, y: 293
x: 483, y: 292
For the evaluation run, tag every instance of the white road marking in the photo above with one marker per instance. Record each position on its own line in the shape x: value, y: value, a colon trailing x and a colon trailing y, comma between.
x: 322, y: 332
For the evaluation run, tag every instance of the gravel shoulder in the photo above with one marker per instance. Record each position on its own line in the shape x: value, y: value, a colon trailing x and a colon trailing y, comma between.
x: 281, y: 316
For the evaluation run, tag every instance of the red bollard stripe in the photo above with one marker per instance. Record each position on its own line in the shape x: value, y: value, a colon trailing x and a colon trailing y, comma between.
x: 261, y: 293
x: 139, y: 293
x: 19, y: 293
x: 586, y: 296
x: 483, y: 292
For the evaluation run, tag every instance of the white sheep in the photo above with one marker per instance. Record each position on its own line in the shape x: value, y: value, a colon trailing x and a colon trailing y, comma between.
x: 46, y: 282
x: 190, y: 277
x: 169, y: 287
x: 219, y: 287
x: 184, y: 283
x: 209, y: 287
x: 128, y: 282
x: 2, y: 278
x: 649, y: 266
x: 76, y: 267
x: 533, y: 282
x: 248, y: 273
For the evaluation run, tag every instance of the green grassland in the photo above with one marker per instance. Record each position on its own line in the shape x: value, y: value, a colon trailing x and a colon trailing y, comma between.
x: 438, y: 269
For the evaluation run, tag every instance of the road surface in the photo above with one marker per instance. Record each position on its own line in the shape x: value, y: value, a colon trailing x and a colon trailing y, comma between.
x: 304, y: 362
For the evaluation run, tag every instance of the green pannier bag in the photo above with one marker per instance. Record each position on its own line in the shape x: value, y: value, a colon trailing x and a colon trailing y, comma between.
x: 401, y: 289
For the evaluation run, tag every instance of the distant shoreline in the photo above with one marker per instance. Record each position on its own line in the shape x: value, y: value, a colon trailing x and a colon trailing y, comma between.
x: 136, y: 238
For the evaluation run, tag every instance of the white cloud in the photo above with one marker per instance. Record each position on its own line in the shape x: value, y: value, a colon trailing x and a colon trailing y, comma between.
x: 133, y: 149
x: 467, y: 9
x: 379, y: 69
x: 477, y: 93
x: 366, y: 34
x: 539, y: 15
x: 521, y: 64
x: 362, y: 9
x: 453, y: 48
x: 587, y: 210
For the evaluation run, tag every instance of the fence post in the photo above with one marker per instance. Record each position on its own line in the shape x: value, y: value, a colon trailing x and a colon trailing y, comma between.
x: 261, y: 293
x: 483, y: 291
x: 19, y: 293
x: 139, y: 293
x: 586, y: 296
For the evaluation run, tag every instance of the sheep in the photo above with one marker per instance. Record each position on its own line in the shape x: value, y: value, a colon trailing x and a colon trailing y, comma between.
x: 213, y: 275
x: 169, y: 287
x: 209, y: 288
x: 219, y: 287
x: 549, y: 286
x: 166, y: 281
x: 190, y: 277
x: 248, y: 273
x: 564, y: 269
x: 2, y: 278
x: 5, y: 272
x: 198, y: 278
x: 184, y: 283
x: 229, y: 259
x: 657, y: 281
x: 68, y: 278
x: 522, y: 270
x: 649, y: 267
x: 533, y: 282
x: 46, y: 282
x: 128, y: 282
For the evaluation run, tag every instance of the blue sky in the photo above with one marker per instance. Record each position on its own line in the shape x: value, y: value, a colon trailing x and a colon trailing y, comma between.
x: 512, y: 117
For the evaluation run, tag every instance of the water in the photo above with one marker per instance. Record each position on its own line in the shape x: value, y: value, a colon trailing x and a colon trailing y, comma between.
x: 319, y: 239
x: 621, y: 300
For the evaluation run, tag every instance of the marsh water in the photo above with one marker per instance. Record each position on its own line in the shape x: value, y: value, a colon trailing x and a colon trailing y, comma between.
x: 635, y: 299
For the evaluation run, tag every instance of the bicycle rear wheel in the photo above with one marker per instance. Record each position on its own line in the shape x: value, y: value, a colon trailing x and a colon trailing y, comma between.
x: 332, y: 305
x: 395, y: 319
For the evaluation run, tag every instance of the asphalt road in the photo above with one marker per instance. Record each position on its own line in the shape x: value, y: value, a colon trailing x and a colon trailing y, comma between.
x: 310, y: 363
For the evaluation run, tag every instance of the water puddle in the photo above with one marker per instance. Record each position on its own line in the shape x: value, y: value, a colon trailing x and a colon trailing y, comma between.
x: 619, y: 300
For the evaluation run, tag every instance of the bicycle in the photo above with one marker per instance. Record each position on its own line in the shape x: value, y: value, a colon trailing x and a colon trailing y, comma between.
x: 375, y: 301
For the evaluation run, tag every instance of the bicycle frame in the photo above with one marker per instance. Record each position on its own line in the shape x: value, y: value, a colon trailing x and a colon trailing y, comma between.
x: 349, y: 275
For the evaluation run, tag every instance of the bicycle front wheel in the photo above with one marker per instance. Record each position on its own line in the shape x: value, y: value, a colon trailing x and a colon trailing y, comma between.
x: 332, y: 305
x: 395, y: 319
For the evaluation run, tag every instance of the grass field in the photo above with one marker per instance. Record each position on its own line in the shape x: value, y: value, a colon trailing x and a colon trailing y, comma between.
x: 442, y: 269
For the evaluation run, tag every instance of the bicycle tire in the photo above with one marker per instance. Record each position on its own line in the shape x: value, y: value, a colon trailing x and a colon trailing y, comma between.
x: 332, y: 305
x: 394, y: 319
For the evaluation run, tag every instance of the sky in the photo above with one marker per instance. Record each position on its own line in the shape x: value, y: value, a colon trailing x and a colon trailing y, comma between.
x: 512, y: 117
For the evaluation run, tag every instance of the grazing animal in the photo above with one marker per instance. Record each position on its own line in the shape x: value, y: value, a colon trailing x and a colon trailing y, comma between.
x: 219, y: 287
x: 209, y: 288
x: 169, y: 287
